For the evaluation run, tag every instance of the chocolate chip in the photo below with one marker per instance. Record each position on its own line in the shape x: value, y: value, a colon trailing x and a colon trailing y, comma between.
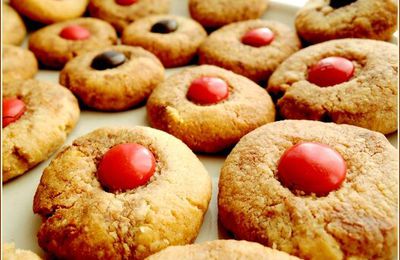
x: 340, y: 3
x: 165, y: 26
x: 108, y: 60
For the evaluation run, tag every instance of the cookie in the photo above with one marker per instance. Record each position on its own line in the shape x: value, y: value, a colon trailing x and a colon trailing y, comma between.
x: 221, y: 249
x: 50, y: 11
x: 14, y: 30
x: 54, y: 45
x: 9, y: 252
x: 325, y: 20
x: 209, y: 108
x: 173, y: 39
x: 37, y: 116
x: 217, y: 13
x: 121, y: 13
x: 165, y: 194
x: 263, y: 181
x: 112, y: 79
x: 18, y: 64
x: 252, y: 48
x: 348, y: 81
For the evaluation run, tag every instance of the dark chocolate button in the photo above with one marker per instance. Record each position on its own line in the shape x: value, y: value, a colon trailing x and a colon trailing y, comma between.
x: 165, y: 26
x: 108, y: 60
x: 340, y: 3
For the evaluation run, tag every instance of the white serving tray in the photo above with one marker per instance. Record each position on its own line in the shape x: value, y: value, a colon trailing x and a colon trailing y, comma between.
x: 20, y: 225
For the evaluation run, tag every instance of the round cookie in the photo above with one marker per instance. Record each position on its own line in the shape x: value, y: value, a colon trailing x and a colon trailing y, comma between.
x: 18, y: 64
x: 221, y: 249
x: 216, y: 13
x: 356, y: 221
x: 47, y: 114
x: 235, y: 47
x: 123, y: 14
x: 325, y: 20
x: 368, y: 98
x: 113, y: 86
x: 50, y: 11
x: 178, y: 106
x: 131, y: 224
x: 173, y: 39
x: 9, y: 252
x: 54, y: 45
x: 14, y: 30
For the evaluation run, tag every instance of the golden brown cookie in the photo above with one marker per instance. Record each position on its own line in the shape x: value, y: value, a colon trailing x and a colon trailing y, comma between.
x: 18, y: 64
x: 366, y: 98
x: 120, y: 13
x: 252, y: 48
x: 54, y: 45
x: 221, y: 249
x: 14, y: 30
x: 9, y: 252
x: 114, y: 78
x: 173, y: 39
x: 323, y: 20
x: 217, y: 13
x: 209, y: 108
x: 356, y: 221
x: 50, y: 11
x: 81, y: 220
x: 48, y: 113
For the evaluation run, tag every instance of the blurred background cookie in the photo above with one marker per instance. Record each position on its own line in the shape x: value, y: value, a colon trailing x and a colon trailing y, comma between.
x: 9, y: 252
x: 18, y: 64
x: 14, y: 30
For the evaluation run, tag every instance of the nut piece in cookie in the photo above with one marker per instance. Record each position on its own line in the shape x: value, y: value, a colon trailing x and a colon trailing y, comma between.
x: 282, y: 186
x: 173, y: 39
x: 37, y: 116
x: 347, y: 81
x: 209, y: 108
x: 121, y: 193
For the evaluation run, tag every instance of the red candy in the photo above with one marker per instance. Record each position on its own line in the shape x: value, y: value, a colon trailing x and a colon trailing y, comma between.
x: 126, y: 166
x: 75, y: 33
x: 13, y: 109
x: 258, y: 37
x: 312, y: 168
x: 331, y: 71
x: 208, y: 90
x: 125, y: 2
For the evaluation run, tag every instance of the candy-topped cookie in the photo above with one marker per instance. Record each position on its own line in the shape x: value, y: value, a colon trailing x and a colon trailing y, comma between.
x: 217, y: 13
x: 252, y: 48
x: 18, y: 64
x: 221, y: 249
x: 348, y: 81
x: 173, y: 39
x: 120, y: 13
x: 323, y: 20
x: 121, y: 193
x: 209, y: 108
x: 312, y: 189
x: 37, y: 116
x: 50, y: 11
x: 114, y: 78
x: 56, y: 44
x: 14, y: 30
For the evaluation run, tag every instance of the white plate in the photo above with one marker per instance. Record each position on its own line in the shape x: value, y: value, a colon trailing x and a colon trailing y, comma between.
x: 20, y: 225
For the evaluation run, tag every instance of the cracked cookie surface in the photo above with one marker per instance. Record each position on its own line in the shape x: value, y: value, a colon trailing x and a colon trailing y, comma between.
x: 356, y: 221
x: 368, y: 99
x: 51, y: 113
x: 83, y: 221
x: 18, y: 64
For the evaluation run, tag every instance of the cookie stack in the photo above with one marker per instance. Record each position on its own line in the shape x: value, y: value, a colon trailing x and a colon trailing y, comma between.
x: 300, y: 115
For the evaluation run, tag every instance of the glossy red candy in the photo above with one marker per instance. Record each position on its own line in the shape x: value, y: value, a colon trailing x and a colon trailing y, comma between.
x: 312, y: 168
x: 208, y: 90
x: 75, y: 33
x: 126, y: 166
x: 125, y: 2
x: 13, y: 109
x: 331, y: 71
x: 258, y: 37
